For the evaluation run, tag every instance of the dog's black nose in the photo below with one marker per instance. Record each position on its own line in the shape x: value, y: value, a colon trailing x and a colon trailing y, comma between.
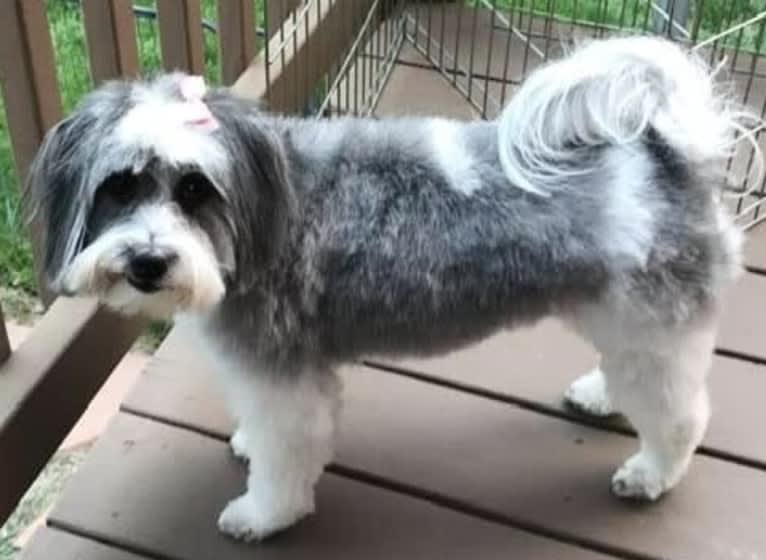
x: 146, y: 270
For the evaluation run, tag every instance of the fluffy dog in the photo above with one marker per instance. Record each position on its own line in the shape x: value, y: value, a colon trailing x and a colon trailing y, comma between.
x: 296, y: 245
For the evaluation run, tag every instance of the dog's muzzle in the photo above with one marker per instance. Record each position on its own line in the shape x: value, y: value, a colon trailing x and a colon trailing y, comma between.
x: 146, y: 269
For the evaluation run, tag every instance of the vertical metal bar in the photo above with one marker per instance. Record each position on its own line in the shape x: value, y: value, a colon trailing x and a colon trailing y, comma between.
x: 549, y: 17
x: 457, y: 42
x: 266, y: 48
x: 474, y: 23
x: 623, y: 13
x: 298, y: 96
x: 506, y: 61
x: 441, y: 35
x: 528, y: 43
x: 489, y: 60
x: 430, y: 9
x: 698, y: 20
x: 417, y: 24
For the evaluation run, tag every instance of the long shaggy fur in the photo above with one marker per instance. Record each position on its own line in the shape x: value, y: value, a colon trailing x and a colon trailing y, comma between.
x: 614, y: 93
x: 294, y: 246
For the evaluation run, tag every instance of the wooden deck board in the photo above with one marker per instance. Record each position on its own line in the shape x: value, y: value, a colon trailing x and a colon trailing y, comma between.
x: 52, y: 544
x: 161, y: 488
x: 435, y: 97
x: 755, y: 249
x: 742, y: 326
x: 507, y: 461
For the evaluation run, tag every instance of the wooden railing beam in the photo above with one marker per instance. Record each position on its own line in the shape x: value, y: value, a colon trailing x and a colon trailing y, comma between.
x: 236, y: 37
x: 30, y: 91
x: 180, y: 24
x: 316, y: 47
x: 110, y: 28
x: 47, y: 383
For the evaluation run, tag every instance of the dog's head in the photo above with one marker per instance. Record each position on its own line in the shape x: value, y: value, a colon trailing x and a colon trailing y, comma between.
x: 159, y: 196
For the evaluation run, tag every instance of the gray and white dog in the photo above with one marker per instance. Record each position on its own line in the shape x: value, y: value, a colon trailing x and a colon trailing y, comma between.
x: 294, y: 246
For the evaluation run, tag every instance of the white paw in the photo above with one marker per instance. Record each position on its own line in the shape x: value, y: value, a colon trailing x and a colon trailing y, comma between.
x: 588, y: 394
x: 640, y: 478
x: 245, y: 519
x: 238, y: 444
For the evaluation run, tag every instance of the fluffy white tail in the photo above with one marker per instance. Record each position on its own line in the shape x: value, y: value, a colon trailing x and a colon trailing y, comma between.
x: 611, y: 92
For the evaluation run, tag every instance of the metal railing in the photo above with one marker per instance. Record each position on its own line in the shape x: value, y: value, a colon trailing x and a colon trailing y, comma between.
x: 486, y: 48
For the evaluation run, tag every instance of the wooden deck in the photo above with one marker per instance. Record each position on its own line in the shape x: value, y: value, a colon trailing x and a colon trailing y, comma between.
x: 467, y: 456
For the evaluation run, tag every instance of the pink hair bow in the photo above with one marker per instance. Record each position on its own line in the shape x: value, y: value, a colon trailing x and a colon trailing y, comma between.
x: 194, y: 112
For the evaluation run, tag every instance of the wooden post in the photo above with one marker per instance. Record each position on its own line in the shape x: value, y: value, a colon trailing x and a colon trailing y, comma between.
x: 321, y: 42
x: 181, y: 35
x: 47, y: 383
x: 236, y: 36
x: 111, y: 33
x: 30, y: 90
x: 277, y: 12
x: 5, y: 344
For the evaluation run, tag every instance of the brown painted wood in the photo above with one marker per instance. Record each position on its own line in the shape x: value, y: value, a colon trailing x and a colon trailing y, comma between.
x: 154, y: 477
x: 30, y: 91
x: 743, y: 326
x: 180, y: 24
x: 236, y: 36
x: 318, y: 44
x: 5, y: 343
x: 111, y: 33
x: 533, y: 366
x: 755, y: 248
x: 51, y: 544
x: 30, y: 88
x: 521, y: 465
x: 48, y: 382
x: 276, y: 12
x: 435, y: 96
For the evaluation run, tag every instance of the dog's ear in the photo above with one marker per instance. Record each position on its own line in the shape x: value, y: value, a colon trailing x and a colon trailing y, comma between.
x: 261, y: 198
x: 53, y: 201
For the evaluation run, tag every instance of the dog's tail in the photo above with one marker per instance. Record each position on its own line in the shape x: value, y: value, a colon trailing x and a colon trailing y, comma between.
x: 614, y: 92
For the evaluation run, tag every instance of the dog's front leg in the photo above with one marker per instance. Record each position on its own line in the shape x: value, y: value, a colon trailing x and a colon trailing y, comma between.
x: 286, y: 431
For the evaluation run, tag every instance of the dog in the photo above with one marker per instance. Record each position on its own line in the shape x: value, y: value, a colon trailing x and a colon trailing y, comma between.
x: 292, y: 246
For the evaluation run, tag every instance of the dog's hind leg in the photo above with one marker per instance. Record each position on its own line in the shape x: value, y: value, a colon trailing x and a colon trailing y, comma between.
x: 589, y: 395
x: 658, y: 380
x: 286, y: 432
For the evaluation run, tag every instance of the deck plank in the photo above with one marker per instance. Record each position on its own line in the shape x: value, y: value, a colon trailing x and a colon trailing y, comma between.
x: 51, y: 544
x: 435, y: 97
x: 511, y: 462
x: 535, y: 365
x: 742, y: 326
x: 755, y: 249
x: 160, y: 490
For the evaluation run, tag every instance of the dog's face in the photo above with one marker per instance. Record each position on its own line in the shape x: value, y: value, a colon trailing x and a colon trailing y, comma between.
x: 158, y: 197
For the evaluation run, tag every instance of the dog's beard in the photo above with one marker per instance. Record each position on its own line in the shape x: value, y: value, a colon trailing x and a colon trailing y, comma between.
x: 193, y: 282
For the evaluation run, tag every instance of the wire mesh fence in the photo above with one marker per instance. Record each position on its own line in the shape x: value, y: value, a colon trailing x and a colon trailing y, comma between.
x: 486, y: 48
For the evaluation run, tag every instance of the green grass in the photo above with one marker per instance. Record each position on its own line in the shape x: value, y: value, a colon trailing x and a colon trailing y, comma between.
x: 717, y: 15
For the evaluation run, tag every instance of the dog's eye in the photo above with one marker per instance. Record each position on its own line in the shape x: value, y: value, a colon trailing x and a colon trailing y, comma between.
x: 192, y: 190
x: 121, y: 187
